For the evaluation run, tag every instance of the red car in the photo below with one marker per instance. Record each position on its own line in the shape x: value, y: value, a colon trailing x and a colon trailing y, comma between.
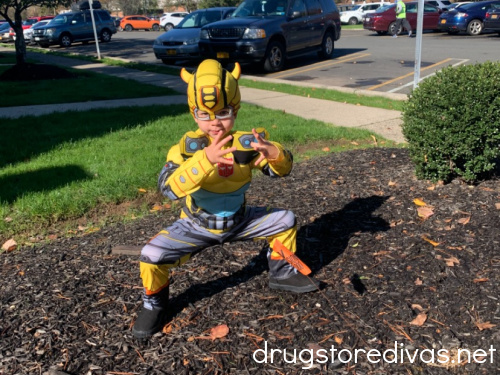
x: 383, y: 20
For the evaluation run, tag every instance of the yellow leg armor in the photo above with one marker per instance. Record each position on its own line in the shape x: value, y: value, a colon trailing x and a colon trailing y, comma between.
x: 287, y: 238
x: 155, y: 277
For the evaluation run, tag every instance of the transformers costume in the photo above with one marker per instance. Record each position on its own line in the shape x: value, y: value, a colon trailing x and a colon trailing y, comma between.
x: 214, y: 210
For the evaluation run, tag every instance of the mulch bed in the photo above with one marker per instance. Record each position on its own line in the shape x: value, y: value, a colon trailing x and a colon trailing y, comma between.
x: 389, y: 275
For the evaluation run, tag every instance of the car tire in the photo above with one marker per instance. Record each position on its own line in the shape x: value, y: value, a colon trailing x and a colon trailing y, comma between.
x: 128, y: 28
x: 168, y: 27
x: 105, y: 36
x: 353, y: 21
x: 274, y: 60
x: 392, y: 27
x: 65, y: 40
x: 475, y: 27
x: 156, y: 27
x: 327, y: 46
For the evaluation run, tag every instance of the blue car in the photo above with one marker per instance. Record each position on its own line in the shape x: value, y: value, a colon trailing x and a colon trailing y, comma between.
x: 468, y: 17
x: 181, y: 42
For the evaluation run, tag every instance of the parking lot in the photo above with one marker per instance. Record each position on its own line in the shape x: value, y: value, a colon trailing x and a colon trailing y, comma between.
x: 362, y: 59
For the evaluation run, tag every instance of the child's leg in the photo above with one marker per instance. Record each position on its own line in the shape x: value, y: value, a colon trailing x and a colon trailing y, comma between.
x: 170, y: 248
x: 275, y: 224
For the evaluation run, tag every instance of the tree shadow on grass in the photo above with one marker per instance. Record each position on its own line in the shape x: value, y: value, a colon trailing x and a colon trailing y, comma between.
x: 27, y: 137
x: 319, y: 244
x: 43, y: 179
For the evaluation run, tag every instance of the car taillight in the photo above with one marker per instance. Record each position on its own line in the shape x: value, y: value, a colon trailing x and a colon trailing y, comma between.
x: 487, y: 15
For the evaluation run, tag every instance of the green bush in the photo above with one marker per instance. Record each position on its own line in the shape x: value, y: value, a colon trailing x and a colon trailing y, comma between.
x: 452, y: 123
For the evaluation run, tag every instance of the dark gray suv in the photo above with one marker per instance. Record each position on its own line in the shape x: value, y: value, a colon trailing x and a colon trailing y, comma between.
x: 269, y: 31
x: 70, y: 27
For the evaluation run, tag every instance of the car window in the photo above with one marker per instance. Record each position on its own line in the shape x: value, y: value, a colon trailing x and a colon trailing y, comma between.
x: 383, y: 8
x: 190, y: 21
x: 430, y: 9
x: 299, y: 7
x: 313, y: 7
x: 78, y: 18
x: 209, y: 16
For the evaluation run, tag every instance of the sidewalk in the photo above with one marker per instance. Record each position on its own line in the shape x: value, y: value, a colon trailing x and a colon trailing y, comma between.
x: 386, y: 123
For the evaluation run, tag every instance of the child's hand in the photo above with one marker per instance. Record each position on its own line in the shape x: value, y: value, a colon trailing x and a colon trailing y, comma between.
x: 215, y: 153
x: 266, y: 149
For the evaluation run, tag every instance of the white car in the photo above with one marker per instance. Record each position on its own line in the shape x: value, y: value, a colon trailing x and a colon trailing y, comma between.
x: 355, y: 15
x: 169, y: 20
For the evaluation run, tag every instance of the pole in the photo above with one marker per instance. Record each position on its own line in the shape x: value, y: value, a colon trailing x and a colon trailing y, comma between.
x: 418, y: 45
x: 95, y: 31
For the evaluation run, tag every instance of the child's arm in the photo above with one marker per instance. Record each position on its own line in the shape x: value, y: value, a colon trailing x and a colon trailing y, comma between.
x: 279, y: 160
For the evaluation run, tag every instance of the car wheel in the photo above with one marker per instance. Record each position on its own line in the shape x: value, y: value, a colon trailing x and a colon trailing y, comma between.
x: 475, y: 27
x: 128, y: 28
x: 105, y: 36
x: 156, y: 27
x: 353, y: 21
x: 327, y: 46
x: 275, y: 57
x: 392, y: 28
x: 65, y: 40
x: 168, y: 27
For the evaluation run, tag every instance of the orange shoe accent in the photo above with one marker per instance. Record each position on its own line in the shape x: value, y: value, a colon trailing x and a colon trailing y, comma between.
x: 291, y: 258
x: 149, y: 292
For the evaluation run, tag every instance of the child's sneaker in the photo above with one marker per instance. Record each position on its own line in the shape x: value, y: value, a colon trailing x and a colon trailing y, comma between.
x: 410, y: 34
x: 297, y: 283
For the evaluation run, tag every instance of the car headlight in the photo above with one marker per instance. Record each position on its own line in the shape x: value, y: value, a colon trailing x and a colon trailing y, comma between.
x: 254, y: 34
x: 204, y: 34
x: 191, y: 41
x: 50, y: 31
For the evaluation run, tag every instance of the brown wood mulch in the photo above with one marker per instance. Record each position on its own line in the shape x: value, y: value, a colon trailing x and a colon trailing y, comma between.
x: 428, y: 282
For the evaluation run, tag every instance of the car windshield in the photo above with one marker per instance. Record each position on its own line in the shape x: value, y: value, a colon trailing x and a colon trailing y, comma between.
x: 356, y: 7
x: 383, y: 8
x: 61, y: 19
x: 197, y: 20
x: 260, y: 8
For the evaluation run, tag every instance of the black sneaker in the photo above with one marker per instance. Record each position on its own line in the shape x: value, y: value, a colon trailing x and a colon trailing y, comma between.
x: 297, y: 283
x: 149, y: 322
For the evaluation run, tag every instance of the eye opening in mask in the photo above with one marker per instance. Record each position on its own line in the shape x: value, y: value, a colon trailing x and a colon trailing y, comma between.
x: 222, y: 114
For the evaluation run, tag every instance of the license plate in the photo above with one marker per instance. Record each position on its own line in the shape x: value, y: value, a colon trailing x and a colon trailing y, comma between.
x: 223, y: 55
x: 171, y: 52
x: 494, y: 16
x: 443, y: 21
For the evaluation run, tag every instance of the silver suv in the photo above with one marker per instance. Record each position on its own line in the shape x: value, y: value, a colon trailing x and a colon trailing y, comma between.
x: 70, y: 27
x: 355, y: 15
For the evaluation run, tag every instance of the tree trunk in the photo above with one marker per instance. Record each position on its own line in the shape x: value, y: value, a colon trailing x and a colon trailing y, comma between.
x: 19, y: 43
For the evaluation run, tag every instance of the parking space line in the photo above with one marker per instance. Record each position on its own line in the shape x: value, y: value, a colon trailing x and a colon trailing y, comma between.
x: 409, y: 74
x: 320, y: 65
x: 461, y: 62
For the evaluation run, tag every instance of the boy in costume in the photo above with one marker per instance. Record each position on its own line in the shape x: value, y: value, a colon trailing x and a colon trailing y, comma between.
x: 212, y: 169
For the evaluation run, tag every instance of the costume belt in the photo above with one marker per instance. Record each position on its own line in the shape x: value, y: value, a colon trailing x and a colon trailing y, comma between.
x: 210, y: 221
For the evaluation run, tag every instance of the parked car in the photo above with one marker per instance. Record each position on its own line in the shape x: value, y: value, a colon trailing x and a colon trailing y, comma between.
x: 181, y: 42
x: 70, y: 27
x: 5, y: 32
x: 169, y: 20
x: 383, y: 20
x: 456, y: 5
x: 130, y: 23
x: 32, y: 20
x: 28, y: 33
x: 355, y: 15
x: 492, y: 19
x: 442, y: 5
x: 468, y: 18
x: 344, y: 7
x: 270, y: 31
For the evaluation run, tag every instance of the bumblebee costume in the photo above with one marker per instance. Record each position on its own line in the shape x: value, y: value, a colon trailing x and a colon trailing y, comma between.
x: 214, y: 209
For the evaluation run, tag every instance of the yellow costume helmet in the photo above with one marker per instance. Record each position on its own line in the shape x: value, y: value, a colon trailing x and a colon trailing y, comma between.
x: 211, y: 87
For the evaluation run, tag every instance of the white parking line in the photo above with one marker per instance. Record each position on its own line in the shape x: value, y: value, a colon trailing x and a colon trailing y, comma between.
x: 461, y: 62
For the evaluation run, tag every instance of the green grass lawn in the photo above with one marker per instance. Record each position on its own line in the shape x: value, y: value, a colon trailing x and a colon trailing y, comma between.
x: 62, y: 171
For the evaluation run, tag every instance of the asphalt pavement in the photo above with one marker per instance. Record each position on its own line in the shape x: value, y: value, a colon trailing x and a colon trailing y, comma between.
x: 386, y: 123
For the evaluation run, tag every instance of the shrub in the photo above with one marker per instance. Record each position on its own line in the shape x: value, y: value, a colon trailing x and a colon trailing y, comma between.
x: 451, y: 122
